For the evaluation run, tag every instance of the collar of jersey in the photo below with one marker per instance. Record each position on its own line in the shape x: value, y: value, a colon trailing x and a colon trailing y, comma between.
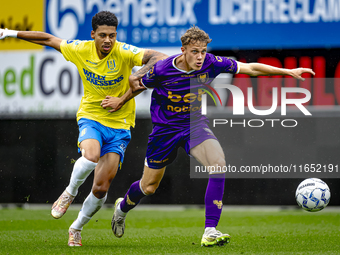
x: 173, y: 63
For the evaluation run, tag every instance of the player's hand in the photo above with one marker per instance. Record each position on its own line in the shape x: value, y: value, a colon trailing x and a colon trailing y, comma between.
x: 3, y: 33
x: 114, y: 102
x: 297, y: 73
x: 136, y: 84
x: 7, y: 33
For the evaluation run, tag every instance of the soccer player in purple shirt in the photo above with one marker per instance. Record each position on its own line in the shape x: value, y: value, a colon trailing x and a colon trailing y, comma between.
x: 177, y: 122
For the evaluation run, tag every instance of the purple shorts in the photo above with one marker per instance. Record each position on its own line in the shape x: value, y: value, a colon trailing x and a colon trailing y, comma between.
x: 164, y: 142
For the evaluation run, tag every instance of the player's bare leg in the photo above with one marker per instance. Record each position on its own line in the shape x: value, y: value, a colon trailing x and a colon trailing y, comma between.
x: 210, y: 153
x: 82, y: 169
x: 146, y: 186
x: 104, y: 173
x: 151, y: 179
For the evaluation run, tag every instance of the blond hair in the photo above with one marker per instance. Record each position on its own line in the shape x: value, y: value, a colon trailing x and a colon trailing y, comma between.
x: 194, y: 34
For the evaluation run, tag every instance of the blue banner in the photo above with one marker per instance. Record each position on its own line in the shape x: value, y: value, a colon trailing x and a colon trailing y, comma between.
x: 232, y: 24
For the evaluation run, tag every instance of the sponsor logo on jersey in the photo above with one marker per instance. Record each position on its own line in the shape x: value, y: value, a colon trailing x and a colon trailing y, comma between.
x: 126, y: 46
x: 232, y: 66
x: 93, y: 63
x: 203, y: 77
x: 111, y: 64
x: 150, y: 73
x: 99, y: 80
x: 135, y: 50
x: 219, y: 59
x: 187, y: 101
x: 76, y: 42
x: 174, y: 82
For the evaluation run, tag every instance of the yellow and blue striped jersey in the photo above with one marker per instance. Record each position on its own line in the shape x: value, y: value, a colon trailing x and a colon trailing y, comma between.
x: 104, y: 77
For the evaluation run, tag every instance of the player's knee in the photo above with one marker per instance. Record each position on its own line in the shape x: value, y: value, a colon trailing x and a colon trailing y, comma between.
x: 92, y: 157
x: 99, y: 191
x: 220, y: 162
x: 217, y: 165
x: 150, y: 189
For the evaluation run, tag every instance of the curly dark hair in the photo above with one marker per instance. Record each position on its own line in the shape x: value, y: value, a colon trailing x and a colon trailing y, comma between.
x: 195, y: 34
x: 104, y: 18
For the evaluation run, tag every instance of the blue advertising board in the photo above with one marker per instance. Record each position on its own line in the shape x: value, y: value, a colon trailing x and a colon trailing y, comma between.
x: 232, y: 24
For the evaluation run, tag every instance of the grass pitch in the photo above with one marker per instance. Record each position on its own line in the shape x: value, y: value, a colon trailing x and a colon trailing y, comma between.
x: 173, y: 232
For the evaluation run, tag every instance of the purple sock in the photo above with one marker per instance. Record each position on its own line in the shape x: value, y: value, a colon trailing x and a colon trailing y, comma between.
x: 132, y: 197
x: 213, y: 199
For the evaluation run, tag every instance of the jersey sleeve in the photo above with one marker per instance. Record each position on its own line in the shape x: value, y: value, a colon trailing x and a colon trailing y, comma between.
x: 149, y: 80
x: 226, y: 65
x: 68, y: 48
x: 132, y: 55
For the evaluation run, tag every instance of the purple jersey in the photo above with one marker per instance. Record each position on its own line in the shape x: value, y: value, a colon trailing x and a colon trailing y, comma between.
x: 176, y: 98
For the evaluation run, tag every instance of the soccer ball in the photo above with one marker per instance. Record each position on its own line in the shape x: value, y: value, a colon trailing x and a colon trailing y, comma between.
x: 312, y: 195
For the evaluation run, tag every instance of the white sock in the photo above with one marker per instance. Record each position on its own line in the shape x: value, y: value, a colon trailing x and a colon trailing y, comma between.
x: 81, y: 170
x: 120, y: 212
x: 90, y: 206
x: 209, y: 229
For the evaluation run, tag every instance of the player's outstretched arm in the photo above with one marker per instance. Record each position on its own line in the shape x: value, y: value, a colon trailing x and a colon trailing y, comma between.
x: 150, y: 58
x: 257, y: 69
x: 36, y: 37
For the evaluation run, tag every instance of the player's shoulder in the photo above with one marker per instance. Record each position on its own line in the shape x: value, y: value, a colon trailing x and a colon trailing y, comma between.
x: 127, y: 48
x: 78, y: 42
x: 212, y: 58
x: 164, y: 65
x: 78, y: 45
x: 217, y: 60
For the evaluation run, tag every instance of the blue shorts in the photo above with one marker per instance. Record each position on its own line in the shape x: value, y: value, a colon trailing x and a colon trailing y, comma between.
x: 164, y: 142
x: 110, y: 139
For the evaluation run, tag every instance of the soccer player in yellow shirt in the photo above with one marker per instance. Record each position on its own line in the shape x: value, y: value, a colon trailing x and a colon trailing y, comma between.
x: 104, y: 65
